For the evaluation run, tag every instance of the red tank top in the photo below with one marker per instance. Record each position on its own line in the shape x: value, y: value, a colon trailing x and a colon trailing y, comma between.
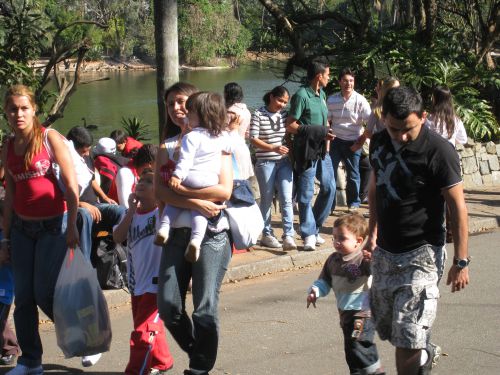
x: 36, y: 191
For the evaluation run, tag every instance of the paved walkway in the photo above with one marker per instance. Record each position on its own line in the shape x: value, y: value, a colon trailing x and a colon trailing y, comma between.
x: 484, y: 214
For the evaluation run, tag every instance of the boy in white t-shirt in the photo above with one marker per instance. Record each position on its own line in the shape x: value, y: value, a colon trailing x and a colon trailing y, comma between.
x: 149, y: 350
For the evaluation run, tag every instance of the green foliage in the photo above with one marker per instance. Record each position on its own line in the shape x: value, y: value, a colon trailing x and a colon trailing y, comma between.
x: 397, y: 53
x: 136, y: 128
x: 209, y: 30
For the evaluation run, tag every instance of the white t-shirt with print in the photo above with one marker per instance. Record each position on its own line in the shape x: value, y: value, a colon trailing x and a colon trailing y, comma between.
x: 143, y: 255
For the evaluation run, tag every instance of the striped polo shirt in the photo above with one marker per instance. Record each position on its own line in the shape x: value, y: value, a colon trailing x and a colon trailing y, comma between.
x: 269, y: 127
x: 347, y: 116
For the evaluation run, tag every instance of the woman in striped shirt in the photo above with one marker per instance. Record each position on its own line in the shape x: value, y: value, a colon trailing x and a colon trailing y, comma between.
x: 273, y: 168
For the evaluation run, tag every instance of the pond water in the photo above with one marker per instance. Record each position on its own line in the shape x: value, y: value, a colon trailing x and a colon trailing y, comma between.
x: 133, y: 93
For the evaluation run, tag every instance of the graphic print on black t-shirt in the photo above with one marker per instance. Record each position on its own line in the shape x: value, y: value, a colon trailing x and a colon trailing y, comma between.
x: 395, y: 178
x: 409, y: 200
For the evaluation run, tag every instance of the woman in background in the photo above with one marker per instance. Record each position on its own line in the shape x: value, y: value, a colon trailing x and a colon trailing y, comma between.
x: 273, y: 168
x: 443, y: 119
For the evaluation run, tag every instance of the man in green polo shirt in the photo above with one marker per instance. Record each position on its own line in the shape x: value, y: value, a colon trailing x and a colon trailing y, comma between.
x: 307, y: 120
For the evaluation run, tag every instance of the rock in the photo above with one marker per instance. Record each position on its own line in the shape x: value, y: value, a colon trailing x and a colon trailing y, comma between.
x: 491, y: 148
x: 469, y: 181
x: 470, y: 142
x: 498, y: 150
x: 459, y: 147
x: 467, y: 152
x: 496, y: 177
x: 484, y: 167
x: 487, y: 180
x: 469, y: 165
x: 493, y: 162
x: 477, y: 178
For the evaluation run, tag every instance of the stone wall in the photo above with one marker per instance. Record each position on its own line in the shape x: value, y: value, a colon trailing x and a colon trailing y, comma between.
x: 480, y: 163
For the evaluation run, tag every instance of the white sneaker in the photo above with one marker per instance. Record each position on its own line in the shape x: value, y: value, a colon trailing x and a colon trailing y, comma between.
x: 289, y: 243
x: 310, y: 243
x: 192, y: 251
x: 270, y: 241
x: 90, y: 360
x: 319, y: 240
x: 161, y: 237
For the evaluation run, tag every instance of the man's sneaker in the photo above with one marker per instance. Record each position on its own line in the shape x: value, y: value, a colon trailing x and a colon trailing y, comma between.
x: 353, y: 209
x: 192, y: 251
x: 319, y: 240
x: 90, y: 360
x: 155, y: 371
x: 161, y: 237
x: 25, y: 370
x: 270, y: 241
x: 310, y: 243
x: 434, y: 352
x: 289, y: 243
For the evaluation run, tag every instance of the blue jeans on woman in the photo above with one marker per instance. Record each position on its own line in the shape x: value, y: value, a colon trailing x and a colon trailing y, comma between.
x: 199, y: 338
x: 38, y: 250
x: 271, y: 175
x: 312, y: 217
x: 341, y: 150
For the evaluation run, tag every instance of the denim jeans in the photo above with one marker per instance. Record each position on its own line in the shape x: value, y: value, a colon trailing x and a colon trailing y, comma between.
x: 312, y: 218
x: 341, y: 150
x: 271, y: 175
x: 38, y: 250
x: 199, y: 338
x: 110, y: 216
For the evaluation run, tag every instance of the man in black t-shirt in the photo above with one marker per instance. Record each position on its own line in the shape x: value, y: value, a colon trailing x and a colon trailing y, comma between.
x: 415, y: 172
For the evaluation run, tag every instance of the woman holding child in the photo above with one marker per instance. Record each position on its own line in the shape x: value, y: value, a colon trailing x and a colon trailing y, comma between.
x: 39, y: 221
x: 197, y: 337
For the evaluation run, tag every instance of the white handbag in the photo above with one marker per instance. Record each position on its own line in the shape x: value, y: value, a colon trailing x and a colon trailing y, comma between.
x: 246, y: 224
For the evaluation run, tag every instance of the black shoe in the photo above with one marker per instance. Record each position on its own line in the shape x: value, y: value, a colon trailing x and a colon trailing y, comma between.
x: 434, y: 352
x: 7, y: 359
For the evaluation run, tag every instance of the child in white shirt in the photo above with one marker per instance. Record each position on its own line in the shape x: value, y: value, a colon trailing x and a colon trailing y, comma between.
x: 199, y: 163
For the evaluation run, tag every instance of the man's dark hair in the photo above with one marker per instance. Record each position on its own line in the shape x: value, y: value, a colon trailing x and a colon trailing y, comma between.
x: 80, y: 137
x: 119, y: 136
x: 346, y: 72
x: 146, y: 154
x: 314, y: 68
x: 233, y: 93
x: 402, y: 101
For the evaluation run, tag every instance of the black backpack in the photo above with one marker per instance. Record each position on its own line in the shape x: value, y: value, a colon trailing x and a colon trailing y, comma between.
x: 111, y: 264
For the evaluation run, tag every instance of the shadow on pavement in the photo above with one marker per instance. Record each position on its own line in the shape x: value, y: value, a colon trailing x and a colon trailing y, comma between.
x: 60, y: 369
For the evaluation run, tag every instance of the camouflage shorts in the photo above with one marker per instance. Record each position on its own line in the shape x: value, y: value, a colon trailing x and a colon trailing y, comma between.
x: 404, y: 294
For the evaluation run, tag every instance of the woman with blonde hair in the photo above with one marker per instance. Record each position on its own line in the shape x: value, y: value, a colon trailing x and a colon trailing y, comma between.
x: 39, y: 220
x: 374, y: 125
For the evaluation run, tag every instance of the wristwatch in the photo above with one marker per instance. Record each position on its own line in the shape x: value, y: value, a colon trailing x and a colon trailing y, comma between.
x: 461, y: 263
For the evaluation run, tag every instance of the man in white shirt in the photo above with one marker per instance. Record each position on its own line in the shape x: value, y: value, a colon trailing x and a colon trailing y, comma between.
x: 347, y: 112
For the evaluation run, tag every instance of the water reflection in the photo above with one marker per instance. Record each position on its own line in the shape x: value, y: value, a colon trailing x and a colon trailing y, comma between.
x: 128, y: 94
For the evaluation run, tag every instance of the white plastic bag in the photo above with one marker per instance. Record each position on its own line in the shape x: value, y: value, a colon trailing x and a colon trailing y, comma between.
x: 81, y: 315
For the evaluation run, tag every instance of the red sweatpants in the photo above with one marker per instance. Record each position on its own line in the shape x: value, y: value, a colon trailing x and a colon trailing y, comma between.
x: 148, y: 342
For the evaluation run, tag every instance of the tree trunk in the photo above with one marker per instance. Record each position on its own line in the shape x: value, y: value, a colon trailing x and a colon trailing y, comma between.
x: 167, y: 52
